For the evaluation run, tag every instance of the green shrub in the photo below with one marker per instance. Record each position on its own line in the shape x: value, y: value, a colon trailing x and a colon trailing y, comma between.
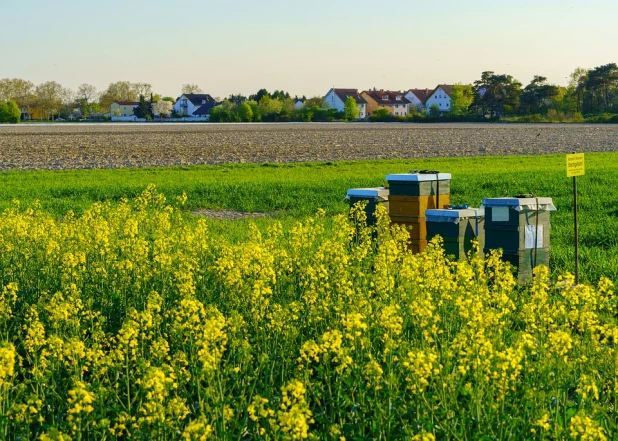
x: 4, y: 112
x: 14, y: 114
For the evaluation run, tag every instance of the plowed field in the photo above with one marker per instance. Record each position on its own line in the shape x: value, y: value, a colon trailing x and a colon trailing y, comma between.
x: 84, y: 146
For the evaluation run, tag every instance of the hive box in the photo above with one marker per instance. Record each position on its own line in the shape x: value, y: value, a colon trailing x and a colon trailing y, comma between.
x: 374, y: 197
x: 521, y: 228
x: 416, y: 205
x: 418, y: 184
x: 458, y: 228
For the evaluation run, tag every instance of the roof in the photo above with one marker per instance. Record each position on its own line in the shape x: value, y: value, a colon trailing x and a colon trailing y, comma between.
x: 421, y: 94
x: 197, y: 98
x: 205, y: 109
x: 448, y: 88
x: 126, y: 103
x: 343, y: 95
x: 387, y: 97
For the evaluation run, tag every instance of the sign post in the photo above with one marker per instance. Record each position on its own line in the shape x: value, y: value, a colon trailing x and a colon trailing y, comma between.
x: 575, y: 168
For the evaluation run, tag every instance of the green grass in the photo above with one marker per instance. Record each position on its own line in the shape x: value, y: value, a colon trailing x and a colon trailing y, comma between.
x: 298, y: 190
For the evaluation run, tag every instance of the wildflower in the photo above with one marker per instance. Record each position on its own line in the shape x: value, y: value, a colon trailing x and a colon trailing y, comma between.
x: 294, y: 415
x: 197, y: 430
x: 584, y: 428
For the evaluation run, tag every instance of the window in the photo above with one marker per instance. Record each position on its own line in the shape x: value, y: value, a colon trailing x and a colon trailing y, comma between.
x: 385, y: 97
x: 203, y: 102
x: 397, y: 106
x: 398, y: 97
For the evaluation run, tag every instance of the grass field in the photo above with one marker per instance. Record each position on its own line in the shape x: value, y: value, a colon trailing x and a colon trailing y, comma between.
x: 297, y: 190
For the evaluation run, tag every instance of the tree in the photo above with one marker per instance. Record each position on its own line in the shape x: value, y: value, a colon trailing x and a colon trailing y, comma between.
x: 603, y: 82
x: 316, y: 101
x: 245, y: 112
x: 142, y: 88
x: 259, y: 95
x: 49, y: 98
x: 577, y: 87
x: 237, y: 99
x: 462, y: 97
x: 4, y: 112
x: 169, y: 98
x: 280, y: 95
x: 18, y: 90
x: 270, y: 109
x: 191, y: 88
x: 13, y: 112
x: 255, y: 110
x: 434, y: 111
x: 162, y: 108
x: 87, y: 93
x: 143, y: 109
x: 537, y: 96
x: 495, y: 93
x: 350, y: 109
x: 118, y: 91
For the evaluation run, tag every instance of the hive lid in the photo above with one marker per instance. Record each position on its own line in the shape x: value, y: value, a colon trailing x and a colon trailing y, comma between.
x: 520, y: 204
x: 453, y: 215
x: 418, y: 177
x: 375, y: 192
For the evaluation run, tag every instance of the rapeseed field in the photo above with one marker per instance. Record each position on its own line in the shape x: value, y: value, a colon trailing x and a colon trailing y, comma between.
x: 130, y: 322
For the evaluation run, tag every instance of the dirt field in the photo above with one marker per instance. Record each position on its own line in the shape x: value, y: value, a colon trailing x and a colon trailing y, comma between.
x: 144, y: 145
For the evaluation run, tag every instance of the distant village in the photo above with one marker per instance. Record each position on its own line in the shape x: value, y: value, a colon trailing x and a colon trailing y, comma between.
x: 198, y: 106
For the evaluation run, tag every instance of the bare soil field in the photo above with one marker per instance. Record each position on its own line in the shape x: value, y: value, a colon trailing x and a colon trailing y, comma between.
x: 85, y: 146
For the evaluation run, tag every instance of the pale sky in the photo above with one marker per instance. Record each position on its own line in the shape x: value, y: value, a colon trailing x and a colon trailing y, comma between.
x: 303, y: 47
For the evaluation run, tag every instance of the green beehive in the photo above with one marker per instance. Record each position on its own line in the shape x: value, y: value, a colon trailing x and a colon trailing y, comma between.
x: 459, y: 228
x: 521, y: 228
x: 419, y: 184
x: 373, y: 196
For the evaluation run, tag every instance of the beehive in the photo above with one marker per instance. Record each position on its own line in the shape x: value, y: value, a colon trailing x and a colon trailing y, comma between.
x: 459, y: 228
x: 411, y: 194
x: 521, y: 228
x: 374, y: 197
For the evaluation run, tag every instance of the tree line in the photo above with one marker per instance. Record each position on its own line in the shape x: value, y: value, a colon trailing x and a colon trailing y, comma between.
x: 591, y: 94
x: 50, y: 100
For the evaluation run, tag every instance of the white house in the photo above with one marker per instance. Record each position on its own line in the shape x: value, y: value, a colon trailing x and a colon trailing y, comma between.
x: 335, y: 99
x: 441, y: 96
x: 417, y: 98
x: 194, y: 104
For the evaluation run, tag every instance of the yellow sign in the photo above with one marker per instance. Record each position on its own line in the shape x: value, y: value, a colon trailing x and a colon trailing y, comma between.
x: 575, y: 165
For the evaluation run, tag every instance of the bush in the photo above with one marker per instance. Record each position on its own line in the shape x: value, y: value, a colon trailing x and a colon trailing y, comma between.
x: 4, y: 112
x: 380, y: 115
x: 14, y: 114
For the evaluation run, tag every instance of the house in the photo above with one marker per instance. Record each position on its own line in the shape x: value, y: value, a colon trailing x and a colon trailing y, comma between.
x: 417, y: 98
x: 300, y: 102
x: 441, y: 97
x: 123, y: 108
x: 395, y: 102
x: 194, y: 104
x: 335, y: 99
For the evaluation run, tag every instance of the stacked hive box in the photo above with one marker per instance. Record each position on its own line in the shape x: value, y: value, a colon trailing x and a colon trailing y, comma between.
x: 520, y: 227
x: 458, y: 228
x: 411, y: 194
x: 373, y: 196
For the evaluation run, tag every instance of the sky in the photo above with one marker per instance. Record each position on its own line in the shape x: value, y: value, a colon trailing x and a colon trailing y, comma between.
x: 303, y: 47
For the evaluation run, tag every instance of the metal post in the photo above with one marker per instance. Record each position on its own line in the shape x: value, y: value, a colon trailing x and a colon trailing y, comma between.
x: 576, y: 230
